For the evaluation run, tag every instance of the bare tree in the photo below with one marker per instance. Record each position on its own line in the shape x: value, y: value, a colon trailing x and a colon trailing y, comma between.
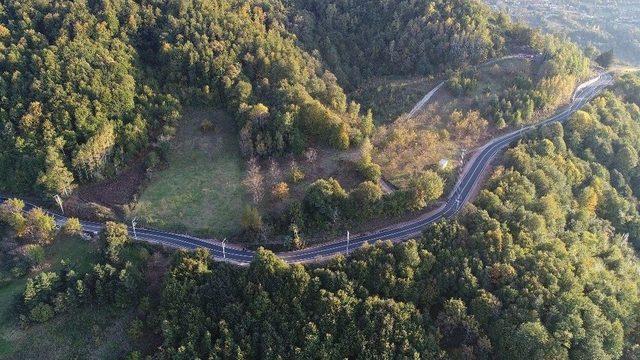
x: 254, y: 180
x: 275, y: 174
x: 311, y: 155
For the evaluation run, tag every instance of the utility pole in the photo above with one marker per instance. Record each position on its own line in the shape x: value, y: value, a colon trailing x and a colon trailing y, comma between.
x: 59, y: 201
x: 224, y: 243
x: 133, y: 225
x: 348, y: 236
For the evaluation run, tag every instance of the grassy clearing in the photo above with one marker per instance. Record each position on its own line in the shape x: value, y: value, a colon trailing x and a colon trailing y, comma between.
x: 200, y: 190
x: 98, y: 333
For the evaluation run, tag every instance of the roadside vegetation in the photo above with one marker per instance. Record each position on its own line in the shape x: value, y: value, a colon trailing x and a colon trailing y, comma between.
x: 63, y: 294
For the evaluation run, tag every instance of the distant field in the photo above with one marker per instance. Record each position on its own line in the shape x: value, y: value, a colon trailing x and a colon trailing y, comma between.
x: 201, y: 188
x: 605, y: 25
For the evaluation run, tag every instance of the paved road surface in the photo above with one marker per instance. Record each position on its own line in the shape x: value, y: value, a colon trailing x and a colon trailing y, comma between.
x: 461, y: 193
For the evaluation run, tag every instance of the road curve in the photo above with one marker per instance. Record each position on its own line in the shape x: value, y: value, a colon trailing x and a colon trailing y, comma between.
x: 460, y: 194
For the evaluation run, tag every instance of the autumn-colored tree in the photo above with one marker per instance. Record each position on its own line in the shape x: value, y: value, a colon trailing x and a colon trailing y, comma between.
x: 280, y: 190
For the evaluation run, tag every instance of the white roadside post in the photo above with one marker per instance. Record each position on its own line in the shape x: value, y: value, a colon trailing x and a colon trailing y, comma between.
x: 348, y: 235
x: 59, y: 201
x: 461, y: 167
x: 133, y: 225
x: 224, y: 243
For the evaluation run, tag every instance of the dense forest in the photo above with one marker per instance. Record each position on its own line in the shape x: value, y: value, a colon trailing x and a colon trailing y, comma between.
x: 359, y: 39
x: 86, y: 86
x: 542, y: 265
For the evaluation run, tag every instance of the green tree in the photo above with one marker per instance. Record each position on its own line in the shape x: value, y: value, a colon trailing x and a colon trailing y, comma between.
x: 11, y: 213
x: 427, y: 188
x: 39, y: 227
x: 114, y: 237
x: 56, y: 179
x: 72, y: 227
x: 323, y: 201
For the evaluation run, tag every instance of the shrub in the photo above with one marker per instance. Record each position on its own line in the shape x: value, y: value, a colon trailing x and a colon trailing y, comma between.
x: 72, y: 227
x: 207, y: 126
x: 296, y: 175
x: 34, y: 254
x: 371, y: 171
x: 296, y: 240
x: 152, y: 161
x: 280, y: 190
x: 164, y: 149
x: 135, y: 329
x: 41, y: 313
x: 251, y: 219
x: 40, y: 226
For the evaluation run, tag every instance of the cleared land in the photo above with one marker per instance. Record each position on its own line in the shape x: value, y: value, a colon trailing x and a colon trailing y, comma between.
x: 449, y: 125
x: 200, y: 190
x: 316, y: 163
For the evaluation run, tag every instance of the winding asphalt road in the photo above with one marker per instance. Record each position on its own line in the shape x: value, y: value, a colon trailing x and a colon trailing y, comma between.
x: 462, y: 191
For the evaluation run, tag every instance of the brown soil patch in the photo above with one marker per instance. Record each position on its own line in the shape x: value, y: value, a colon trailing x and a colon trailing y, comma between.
x: 118, y: 190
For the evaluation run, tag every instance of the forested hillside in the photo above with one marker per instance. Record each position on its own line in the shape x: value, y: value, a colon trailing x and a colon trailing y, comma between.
x: 87, y: 85
x: 542, y: 265
x: 73, y: 104
x: 359, y: 39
